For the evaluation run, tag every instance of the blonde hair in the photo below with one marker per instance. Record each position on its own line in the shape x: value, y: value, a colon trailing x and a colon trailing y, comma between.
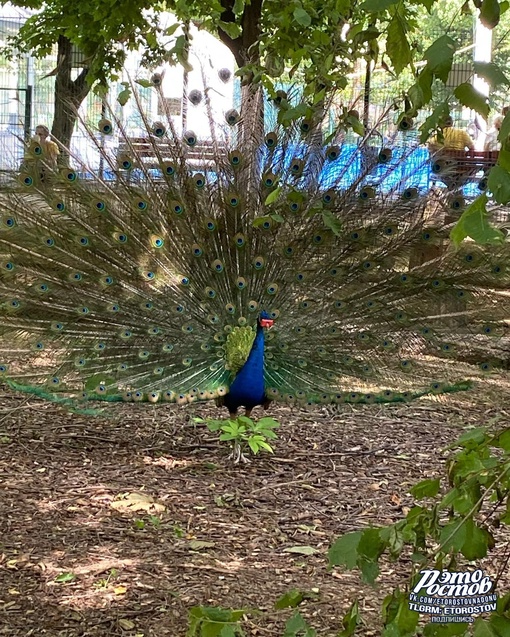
x: 45, y: 129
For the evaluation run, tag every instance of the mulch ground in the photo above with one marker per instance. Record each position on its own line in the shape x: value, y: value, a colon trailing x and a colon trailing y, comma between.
x: 119, y: 526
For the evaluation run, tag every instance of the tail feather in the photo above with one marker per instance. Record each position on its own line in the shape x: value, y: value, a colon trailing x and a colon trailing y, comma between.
x: 129, y: 287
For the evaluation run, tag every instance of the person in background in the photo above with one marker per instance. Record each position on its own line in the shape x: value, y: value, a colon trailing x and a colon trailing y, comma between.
x: 491, y: 140
x: 48, y: 159
x: 50, y: 148
x: 453, y: 139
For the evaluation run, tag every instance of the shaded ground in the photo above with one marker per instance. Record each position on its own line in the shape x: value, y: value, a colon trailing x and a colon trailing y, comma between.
x: 218, y: 533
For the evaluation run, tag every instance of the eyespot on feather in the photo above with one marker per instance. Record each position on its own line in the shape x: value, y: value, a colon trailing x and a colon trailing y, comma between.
x: 232, y: 117
x: 271, y: 140
x: 235, y: 158
x: 105, y: 126
x: 385, y: 155
x: 158, y: 129
x: 124, y: 161
x: 195, y: 97
x: 190, y: 138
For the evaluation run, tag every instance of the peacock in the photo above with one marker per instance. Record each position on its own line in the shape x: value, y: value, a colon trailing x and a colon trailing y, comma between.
x: 247, y: 266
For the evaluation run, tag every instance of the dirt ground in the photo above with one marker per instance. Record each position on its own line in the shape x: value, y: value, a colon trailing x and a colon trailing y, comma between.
x: 119, y: 526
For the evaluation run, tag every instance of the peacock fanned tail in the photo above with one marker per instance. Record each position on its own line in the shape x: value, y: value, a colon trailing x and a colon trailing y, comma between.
x: 148, y: 286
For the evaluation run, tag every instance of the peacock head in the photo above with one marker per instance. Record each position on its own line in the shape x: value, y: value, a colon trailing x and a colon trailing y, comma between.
x: 265, y: 320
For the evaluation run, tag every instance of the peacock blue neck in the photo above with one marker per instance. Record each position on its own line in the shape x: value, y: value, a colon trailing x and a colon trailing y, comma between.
x: 247, y: 388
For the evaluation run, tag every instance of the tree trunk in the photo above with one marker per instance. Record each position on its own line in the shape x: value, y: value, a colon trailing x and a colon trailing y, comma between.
x: 69, y: 94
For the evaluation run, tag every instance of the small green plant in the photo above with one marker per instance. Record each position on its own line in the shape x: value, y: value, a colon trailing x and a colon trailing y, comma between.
x: 243, y: 433
x: 104, y: 582
x: 65, y: 578
x: 212, y: 621
x: 140, y: 524
x: 178, y: 531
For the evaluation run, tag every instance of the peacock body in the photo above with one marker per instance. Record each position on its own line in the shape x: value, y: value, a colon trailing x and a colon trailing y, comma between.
x: 159, y: 284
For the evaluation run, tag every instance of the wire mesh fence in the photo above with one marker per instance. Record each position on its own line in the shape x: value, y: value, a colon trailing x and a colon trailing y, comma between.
x: 27, y: 95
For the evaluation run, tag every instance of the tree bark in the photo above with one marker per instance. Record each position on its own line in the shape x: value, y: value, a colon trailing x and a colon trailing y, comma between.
x: 245, y: 51
x: 242, y: 47
x: 69, y: 94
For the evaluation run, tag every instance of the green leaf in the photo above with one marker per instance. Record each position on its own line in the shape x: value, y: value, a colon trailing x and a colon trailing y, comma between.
x: 123, y: 96
x: 489, y: 13
x: 425, y: 79
x: 277, y: 218
x: 503, y: 440
x: 217, y: 614
x: 64, y: 578
x: 456, y: 541
x: 449, y: 499
x: 482, y: 628
x: 332, y: 222
x: 504, y: 155
x: 439, y: 56
x: 238, y: 8
x: 273, y: 196
x: 501, y: 625
x: 374, y: 6
x: 224, y: 437
x: 444, y: 630
x: 265, y: 445
x: 397, y: 46
x: 145, y: 83
x: 499, y: 184
x: 232, y: 29
x: 369, y: 571
x: 355, y: 124
x: 467, y: 95
x: 425, y: 489
x: 297, y: 626
x: 350, y: 621
x: 344, y: 551
x: 371, y: 544
x: 301, y: 550
x: 302, y: 17
x: 477, y: 541
x: 172, y: 29
x: 404, y: 621
x: 491, y: 73
x: 473, y: 223
x: 432, y: 121
x: 504, y: 132
x: 291, y: 599
x: 268, y: 422
x: 195, y: 616
x: 476, y: 436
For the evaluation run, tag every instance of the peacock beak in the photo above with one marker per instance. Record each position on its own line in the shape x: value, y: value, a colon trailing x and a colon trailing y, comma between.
x: 267, y: 323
